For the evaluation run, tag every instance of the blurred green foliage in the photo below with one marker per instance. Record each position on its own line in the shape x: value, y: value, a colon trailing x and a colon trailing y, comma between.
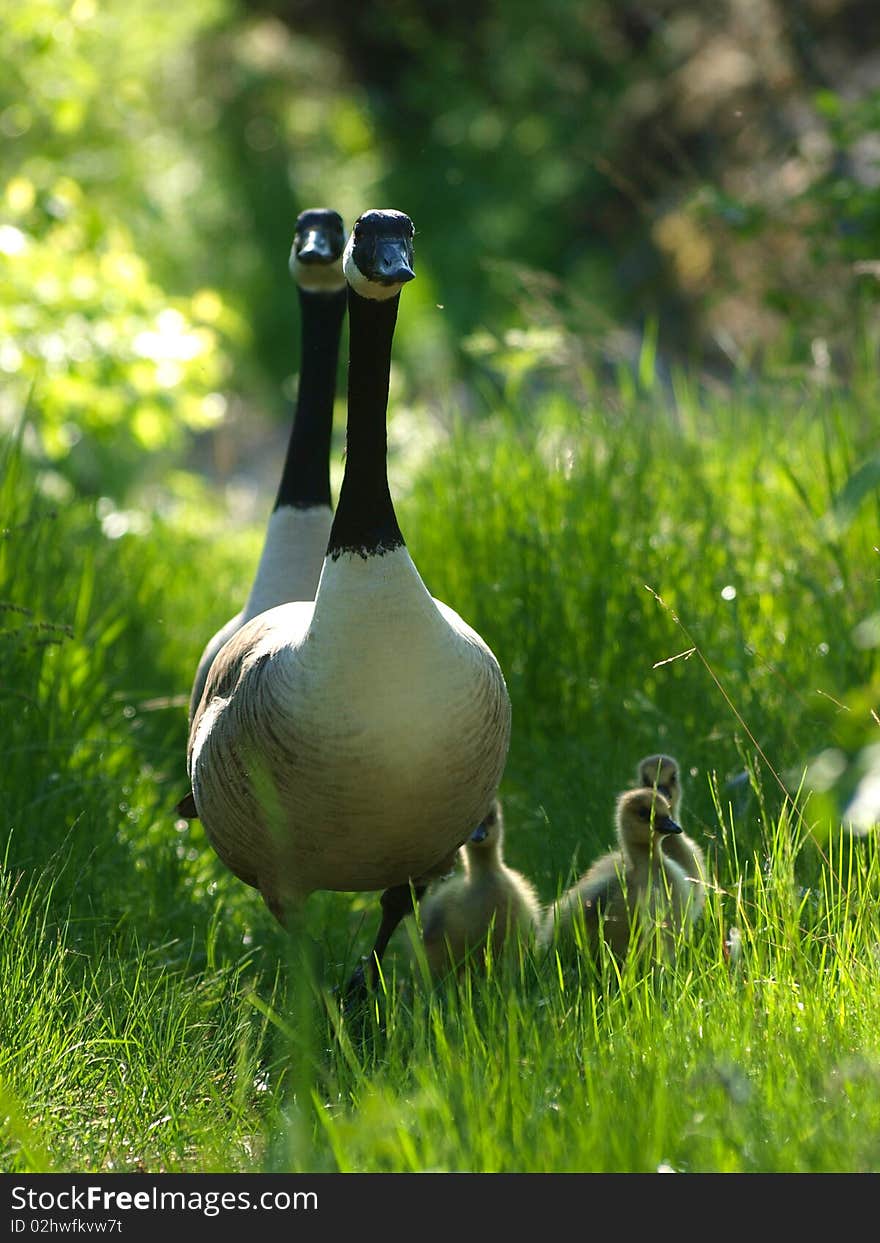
x: 714, y: 174
x: 712, y: 167
x: 708, y: 173
x: 112, y: 358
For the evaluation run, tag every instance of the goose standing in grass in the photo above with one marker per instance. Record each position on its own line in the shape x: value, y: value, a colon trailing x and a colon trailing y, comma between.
x: 457, y: 914
x: 631, y: 890
x: 299, y: 525
x: 662, y: 772
x: 352, y: 742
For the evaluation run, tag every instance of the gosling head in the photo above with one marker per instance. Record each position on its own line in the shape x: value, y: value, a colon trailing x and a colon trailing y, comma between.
x: 378, y: 259
x: 661, y: 772
x: 316, y: 254
x: 642, y: 813
x: 486, y: 837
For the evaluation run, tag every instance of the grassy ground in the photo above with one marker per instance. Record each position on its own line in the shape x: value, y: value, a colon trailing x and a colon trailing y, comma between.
x: 155, y: 1018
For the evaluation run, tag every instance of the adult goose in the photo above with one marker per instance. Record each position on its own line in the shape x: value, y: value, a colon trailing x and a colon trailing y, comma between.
x: 299, y: 525
x: 353, y: 742
x: 661, y: 772
x: 630, y: 893
x: 458, y: 915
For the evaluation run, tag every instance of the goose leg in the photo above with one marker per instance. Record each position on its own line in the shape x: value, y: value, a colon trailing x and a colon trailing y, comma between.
x: 397, y: 903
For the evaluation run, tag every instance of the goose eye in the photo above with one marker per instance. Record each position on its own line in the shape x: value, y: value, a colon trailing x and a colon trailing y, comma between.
x: 643, y: 813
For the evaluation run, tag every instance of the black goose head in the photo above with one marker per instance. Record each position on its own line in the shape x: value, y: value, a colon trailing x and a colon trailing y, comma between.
x: 316, y: 254
x: 378, y: 259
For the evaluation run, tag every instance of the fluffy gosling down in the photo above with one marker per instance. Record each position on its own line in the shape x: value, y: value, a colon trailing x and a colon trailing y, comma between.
x: 634, y: 889
x: 662, y: 772
x: 324, y: 722
x: 488, y: 903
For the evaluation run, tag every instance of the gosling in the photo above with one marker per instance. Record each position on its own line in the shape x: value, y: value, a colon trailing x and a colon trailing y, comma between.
x: 662, y: 772
x: 484, y: 904
x: 628, y: 892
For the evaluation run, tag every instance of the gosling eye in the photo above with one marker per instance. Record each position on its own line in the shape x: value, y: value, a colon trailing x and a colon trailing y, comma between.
x: 643, y: 813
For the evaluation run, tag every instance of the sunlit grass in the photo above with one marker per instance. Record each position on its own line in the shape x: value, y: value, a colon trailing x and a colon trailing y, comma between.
x: 154, y: 1016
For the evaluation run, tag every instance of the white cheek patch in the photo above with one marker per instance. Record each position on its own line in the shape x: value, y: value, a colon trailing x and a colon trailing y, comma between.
x: 317, y: 277
x: 374, y: 290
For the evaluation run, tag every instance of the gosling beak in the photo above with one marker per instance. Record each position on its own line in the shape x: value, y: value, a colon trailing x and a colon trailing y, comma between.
x: 480, y: 833
x: 665, y: 791
x: 665, y: 824
x: 315, y: 248
x: 391, y: 265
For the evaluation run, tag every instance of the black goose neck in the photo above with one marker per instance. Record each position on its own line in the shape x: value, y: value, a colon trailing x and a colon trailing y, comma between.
x: 365, y: 521
x: 305, y: 477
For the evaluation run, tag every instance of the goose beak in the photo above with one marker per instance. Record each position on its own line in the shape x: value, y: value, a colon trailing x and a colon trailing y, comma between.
x: 315, y: 248
x: 480, y: 833
x: 391, y: 265
x: 665, y: 824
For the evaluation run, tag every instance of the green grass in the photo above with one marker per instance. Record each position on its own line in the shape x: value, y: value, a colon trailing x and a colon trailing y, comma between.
x: 155, y: 1018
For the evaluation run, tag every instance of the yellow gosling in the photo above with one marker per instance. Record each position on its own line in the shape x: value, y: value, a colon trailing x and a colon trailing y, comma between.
x: 457, y: 914
x: 629, y: 891
x: 662, y: 772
